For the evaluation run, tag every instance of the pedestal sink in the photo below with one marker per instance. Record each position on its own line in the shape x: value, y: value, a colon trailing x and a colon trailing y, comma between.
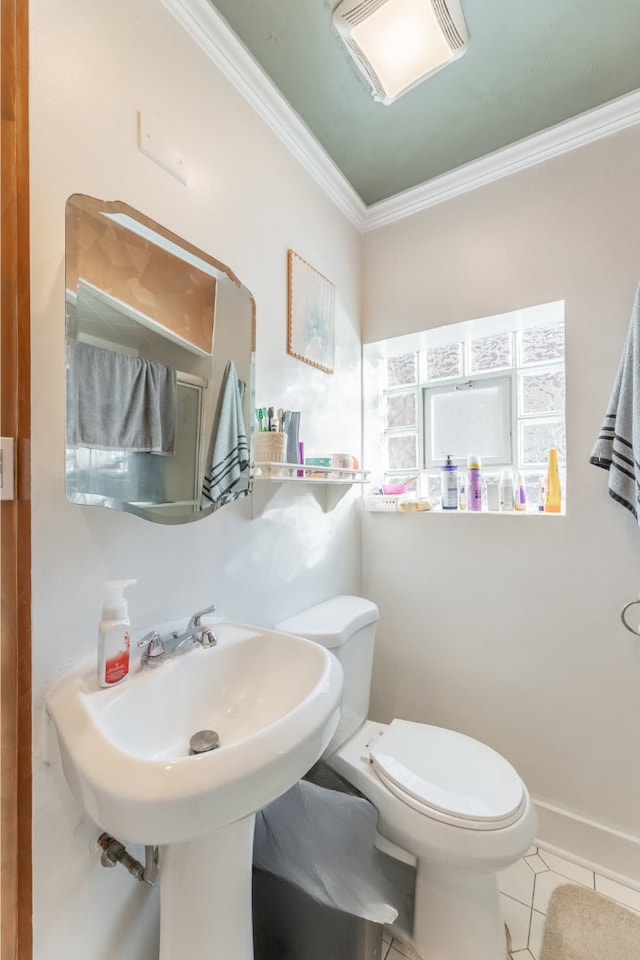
x: 273, y: 700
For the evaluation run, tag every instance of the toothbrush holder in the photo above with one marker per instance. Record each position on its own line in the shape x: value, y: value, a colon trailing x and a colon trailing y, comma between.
x: 270, y: 448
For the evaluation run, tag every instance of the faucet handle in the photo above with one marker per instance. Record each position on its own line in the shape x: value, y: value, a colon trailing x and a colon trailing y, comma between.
x: 154, y: 651
x: 196, y: 619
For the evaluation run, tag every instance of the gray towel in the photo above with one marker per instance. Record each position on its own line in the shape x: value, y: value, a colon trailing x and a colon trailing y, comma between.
x: 617, y: 449
x: 119, y: 402
x: 228, y: 475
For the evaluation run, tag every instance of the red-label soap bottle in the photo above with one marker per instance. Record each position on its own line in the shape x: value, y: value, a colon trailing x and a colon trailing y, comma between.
x: 114, y: 638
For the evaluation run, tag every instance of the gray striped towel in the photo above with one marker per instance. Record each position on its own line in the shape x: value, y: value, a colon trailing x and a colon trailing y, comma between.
x: 228, y: 476
x: 617, y: 449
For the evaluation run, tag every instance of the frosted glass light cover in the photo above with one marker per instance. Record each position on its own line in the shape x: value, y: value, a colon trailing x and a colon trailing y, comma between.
x: 402, y: 40
x: 399, y: 43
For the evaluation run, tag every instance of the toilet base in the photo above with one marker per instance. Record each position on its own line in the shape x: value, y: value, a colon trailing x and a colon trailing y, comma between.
x: 457, y: 914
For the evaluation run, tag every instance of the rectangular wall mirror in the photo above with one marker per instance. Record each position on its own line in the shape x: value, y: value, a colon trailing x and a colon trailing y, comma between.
x: 160, y: 341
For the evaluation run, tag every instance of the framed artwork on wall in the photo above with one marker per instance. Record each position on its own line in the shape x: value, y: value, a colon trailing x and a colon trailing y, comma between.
x: 310, y: 330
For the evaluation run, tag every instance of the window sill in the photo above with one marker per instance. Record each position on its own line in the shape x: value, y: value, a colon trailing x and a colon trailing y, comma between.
x: 389, y: 504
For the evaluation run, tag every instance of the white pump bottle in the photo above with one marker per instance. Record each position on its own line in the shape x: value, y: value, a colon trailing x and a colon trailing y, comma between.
x: 114, y: 638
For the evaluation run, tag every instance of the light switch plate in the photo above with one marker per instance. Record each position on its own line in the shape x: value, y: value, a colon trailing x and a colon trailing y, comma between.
x: 7, y: 460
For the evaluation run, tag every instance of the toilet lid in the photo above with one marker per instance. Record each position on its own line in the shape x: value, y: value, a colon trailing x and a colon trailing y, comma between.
x: 448, y: 775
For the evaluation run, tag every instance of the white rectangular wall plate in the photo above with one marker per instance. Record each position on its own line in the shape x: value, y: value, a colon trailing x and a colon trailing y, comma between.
x: 154, y: 140
x: 7, y: 461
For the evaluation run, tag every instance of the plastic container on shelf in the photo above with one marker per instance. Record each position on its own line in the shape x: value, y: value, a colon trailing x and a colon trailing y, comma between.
x: 553, y: 493
x: 507, y: 490
x: 449, y: 485
x: 270, y: 448
x: 474, y: 483
x: 114, y: 638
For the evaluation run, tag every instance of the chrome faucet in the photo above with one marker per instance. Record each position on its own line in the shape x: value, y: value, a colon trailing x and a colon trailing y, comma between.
x: 156, y: 650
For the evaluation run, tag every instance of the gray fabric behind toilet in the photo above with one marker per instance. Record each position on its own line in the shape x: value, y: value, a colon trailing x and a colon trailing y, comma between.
x: 289, y: 924
x: 323, y: 842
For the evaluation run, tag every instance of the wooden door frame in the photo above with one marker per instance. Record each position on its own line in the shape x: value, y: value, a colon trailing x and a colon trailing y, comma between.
x: 15, y: 516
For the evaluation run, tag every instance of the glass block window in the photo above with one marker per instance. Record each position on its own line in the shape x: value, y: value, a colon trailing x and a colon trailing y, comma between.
x: 496, y: 391
x: 443, y: 362
x: 490, y: 353
x: 400, y: 410
x: 541, y: 344
x: 536, y: 439
x: 401, y: 370
x: 533, y: 487
x: 541, y: 392
x: 402, y: 452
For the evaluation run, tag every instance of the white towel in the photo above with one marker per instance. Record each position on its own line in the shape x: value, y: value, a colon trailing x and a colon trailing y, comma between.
x: 617, y: 449
x: 228, y: 477
x: 120, y: 402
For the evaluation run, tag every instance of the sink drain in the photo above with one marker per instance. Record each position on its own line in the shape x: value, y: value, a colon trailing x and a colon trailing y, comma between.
x: 203, y: 741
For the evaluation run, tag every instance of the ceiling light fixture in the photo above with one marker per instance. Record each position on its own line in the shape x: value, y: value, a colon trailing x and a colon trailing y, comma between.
x: 399, y: 43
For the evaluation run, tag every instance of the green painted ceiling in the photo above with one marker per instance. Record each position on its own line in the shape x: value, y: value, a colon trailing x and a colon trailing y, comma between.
x: 530, y: 64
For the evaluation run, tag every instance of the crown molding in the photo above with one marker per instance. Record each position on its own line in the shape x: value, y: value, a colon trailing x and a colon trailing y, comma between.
x: 585, y: 128
x: 211, y: 32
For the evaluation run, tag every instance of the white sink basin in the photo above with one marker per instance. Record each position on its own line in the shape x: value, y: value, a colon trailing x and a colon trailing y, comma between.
x: 272, y: 698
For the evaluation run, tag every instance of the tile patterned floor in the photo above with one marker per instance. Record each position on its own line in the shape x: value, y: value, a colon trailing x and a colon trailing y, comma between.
x: 525, y: 889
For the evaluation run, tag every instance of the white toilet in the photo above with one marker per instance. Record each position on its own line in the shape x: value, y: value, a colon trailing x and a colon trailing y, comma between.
x: 458, y: 807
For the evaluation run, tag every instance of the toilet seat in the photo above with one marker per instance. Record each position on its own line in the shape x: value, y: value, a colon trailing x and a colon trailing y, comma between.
x: 448, y: 776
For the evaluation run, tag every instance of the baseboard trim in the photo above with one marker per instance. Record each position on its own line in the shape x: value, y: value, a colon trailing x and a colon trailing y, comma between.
x: 590, y: 844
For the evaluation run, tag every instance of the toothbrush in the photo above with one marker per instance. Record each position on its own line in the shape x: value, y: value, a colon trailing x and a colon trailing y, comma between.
x: 260, y: 418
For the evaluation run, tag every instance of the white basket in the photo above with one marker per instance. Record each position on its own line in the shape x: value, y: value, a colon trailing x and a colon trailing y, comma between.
x: 381, y: 503
x: 270, y: 448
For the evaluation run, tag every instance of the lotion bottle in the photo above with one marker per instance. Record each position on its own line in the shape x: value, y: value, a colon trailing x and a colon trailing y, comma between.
x: 507, y: 490
x: 520, y: 501
x: 462, y: 500
x: 114, y: 638
x: 552, y: 496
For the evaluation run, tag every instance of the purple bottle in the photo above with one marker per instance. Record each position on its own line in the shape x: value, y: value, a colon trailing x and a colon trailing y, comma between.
x: 474, y: 486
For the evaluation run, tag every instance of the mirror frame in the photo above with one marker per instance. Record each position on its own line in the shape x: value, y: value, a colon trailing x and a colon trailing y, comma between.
x: 80, y: 204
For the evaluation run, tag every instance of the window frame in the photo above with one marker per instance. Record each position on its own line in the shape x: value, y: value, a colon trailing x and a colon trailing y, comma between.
x: 504, y: 378
x: 424, y: 384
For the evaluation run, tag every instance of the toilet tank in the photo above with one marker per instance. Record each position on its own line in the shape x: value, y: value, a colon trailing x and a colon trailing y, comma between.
x: 346, y: 626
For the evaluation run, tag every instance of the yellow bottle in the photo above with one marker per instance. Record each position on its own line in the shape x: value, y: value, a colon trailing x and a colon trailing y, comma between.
x: 552, y: 495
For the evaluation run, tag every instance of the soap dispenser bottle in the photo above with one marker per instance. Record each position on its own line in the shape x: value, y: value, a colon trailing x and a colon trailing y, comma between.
x: 114, y: 638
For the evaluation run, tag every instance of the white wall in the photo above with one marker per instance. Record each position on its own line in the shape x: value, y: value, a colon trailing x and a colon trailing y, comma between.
x: 507, y: 627
x: 93, y: 66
